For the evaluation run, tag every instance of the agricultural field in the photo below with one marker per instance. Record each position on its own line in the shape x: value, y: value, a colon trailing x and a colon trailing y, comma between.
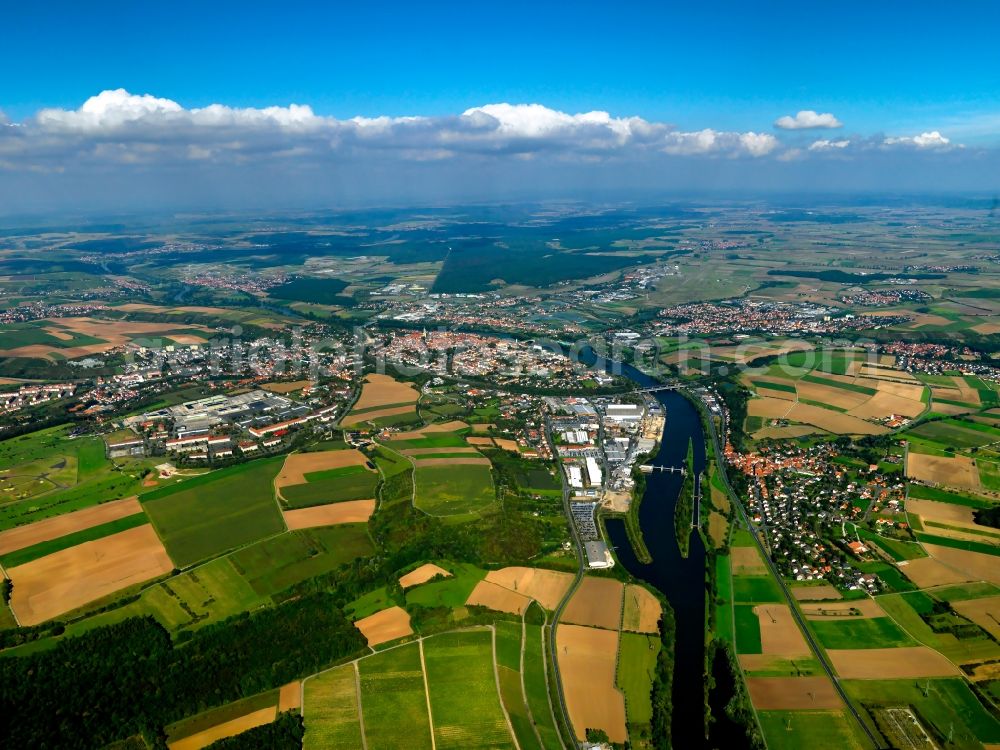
x: 636, y: 666
x: 229, y: 720
x: 947, y: 708
x: 49, y: 473
x: 383, y: 400
x: 216, y: 512
x: 462, y: 689
x: 790, y: 730
x: 322, y: 477
x: 450, y: 490
x: 836, y: 393
x: 331, y: 710
x: 394, y: 699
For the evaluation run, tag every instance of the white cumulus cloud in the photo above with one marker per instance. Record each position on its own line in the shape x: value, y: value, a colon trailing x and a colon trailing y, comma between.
x: 930, y: 140
x: 826, y: 145
x: 806, y: 119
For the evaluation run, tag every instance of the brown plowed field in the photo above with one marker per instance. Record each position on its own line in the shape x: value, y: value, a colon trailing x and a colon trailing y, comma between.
x: 596, y: 602
x: 67, y: 579
x: 746, y: 561
x: 53, y: 528
x: 422, y: 575
x: 290, y: 696
x: 890, y: 663
x: 387, y: 625
x: 956, y: 471
x: 587, y: 662
x: 779, y: 635
x: 857, y: 610
x: 792, y: 693
x: 350, y: 511
x: 814, y: 593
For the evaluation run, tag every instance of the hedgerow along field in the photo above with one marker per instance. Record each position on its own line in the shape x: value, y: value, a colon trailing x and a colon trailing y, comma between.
x: 463, y: 692
x: 215, y: 512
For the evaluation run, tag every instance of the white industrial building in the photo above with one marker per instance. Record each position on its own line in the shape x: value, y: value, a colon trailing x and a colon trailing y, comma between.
x: 594, y: 474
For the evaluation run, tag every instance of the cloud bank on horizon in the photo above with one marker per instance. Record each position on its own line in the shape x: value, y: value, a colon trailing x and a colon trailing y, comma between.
x: 117, y: 134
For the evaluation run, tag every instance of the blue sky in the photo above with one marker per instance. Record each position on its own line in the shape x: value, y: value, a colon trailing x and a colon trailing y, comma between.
x: 880, y: 66
x: 156, y: 103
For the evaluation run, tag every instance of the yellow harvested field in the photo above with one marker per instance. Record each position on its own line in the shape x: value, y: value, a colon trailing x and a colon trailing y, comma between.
x: 482, y: 426
x: 596, y: 602
x: 830, y: 395
x: 547, y: 587
x: 642, y: 610
x: 290, y: 696
x: 350, y: 511
x: 718, y: 526
x: 471, y: 461
x: 67, y: 579
x: 926, y: 571
x: 951, y: 409
x: 746, y: 561
x: 773, y: 393
x: 384, y: 626
x: 113, y: 333
x: 984, y: 612
x: 422, y: 575
x: 887, y: 375
x: 486, y: 441
x: 297, y: 465
x: 976, y: 566
x: 587, y: 663
x: 890, y: 663
x: 380, y: 390
x: 497, y: 598
x: 903, y: 390
x: 779, y: 635
x: 987, y: 328
x: 832, y: 421
x: 229, y: 728
x: 507, y: 444
x: 793, y: 693
x: 769, y: 408
x: 955, y: 471
x: 856, y: 610
x: 932, y: 510
x: 291, y: 387
x: 815, y: 593
x: 883, y: 403
x: 53, y: 528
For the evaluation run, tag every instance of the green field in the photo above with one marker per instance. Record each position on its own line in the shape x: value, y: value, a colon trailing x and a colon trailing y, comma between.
x: 447, y: 592
x: 811, y: 729
x: 393, y: 700
x: 756, y: 589
x: 636, y: 667
x: 35, y: 551
x: 453, y: 490
x: 906, y: 609
x: 747, y: 630
x: 723, y: 609
x: 14, y: 335
x: 463, y: 692
x: 536, y: 688
x: 965, y: 591
x: 331, y: 710
x: 508, y: 644
x: 869, y: 632
x: 897, y: 549
x: 947, y: 707
x: 47, y: 473
x: 274, y: 564
x: 191, y: 600
x: 216, y: 512
x: 331, y: 490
